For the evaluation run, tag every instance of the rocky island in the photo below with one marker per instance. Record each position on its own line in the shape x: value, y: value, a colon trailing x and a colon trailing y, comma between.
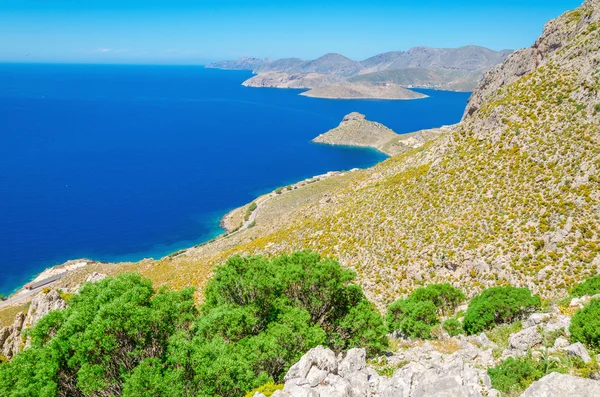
x: 356, y: 130
x: 363, y: 91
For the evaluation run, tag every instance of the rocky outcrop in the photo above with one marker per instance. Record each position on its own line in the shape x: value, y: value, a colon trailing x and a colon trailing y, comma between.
x: 363, y: 91
x: 320, y: 373
x: 560, y: 385
x: 12, y: 339
x: 356, y: 130
x: 557, y: 34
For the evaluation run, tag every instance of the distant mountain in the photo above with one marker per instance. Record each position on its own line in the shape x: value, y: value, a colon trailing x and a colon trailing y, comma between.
x: 458, y: 69
x: 241, y: 64
x: 436, y: 78
x: 468, y: 58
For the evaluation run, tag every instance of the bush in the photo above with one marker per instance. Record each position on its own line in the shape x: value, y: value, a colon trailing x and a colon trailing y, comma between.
x: 415, y: 315
x: 267, y: 389
x: 499, y: 305
x: 122, y: 337
x: 453, y: 327
x: 585, y: 325
x: 444, y: 296
x: 412, y: 318
x: 591, y: 286
x: 515, y: 374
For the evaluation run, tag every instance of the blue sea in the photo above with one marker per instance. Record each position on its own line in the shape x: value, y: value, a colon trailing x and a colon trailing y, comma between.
x: 118, y: 163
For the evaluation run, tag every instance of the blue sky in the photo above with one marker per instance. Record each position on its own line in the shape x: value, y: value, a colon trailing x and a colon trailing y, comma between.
x: 197, y: 31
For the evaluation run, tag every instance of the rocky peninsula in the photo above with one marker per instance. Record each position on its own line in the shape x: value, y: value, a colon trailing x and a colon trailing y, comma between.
x: 363, y: 91
x: 356, y: 130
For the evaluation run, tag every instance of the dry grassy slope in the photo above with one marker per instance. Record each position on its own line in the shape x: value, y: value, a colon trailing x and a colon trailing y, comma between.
x: 511, y: 196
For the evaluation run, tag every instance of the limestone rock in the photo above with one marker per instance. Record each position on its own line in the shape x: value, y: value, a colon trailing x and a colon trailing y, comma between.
x: 95, y: 277
x: 431, y: 374
x: 11, y: 337
x: 560, y: 385
x: 525, y: 339
x: 578, y: 350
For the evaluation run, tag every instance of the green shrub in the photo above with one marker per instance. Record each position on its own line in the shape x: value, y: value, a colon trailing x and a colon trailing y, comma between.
x: 267, y: 389
x: 415, y: 315
x: 251, y: 208
x: 453, y: 327
x: 412, y: 318
x: 585, y: 325
x: 597, y: 107
x: 515, y: 374
x: 591, y: 286
x: 444, y: 296
x: 122, y: 337
x: 279, y: 190
x: 498, y: 305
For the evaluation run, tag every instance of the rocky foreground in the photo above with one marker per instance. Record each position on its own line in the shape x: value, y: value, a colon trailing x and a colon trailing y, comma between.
x: 447, y: 367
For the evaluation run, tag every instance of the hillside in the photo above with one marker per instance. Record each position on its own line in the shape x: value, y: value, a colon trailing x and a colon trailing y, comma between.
x: 510, y: 195
x: 468, y: 58
x: 441, y: 79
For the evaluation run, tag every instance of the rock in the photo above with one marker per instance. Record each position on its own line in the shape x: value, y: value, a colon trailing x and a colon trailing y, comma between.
x: 535, y: 319
x: 578, y: 350
x: 320, y: 357
x: 560, y: 343
x: 95, y: 277
x: 430, y: 373
x: 560, y: 385
x: 11, y: 337
x: 525, y: 339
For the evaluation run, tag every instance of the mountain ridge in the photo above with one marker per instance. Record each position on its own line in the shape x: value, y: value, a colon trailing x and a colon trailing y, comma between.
x: 446, y: 68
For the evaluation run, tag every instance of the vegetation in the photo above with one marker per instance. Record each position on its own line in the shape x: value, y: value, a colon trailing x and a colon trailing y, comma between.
x: 453, y: 327
x: 251, y: 208
x: 122, y: 337
x: 591, y: 286
x: 499, y: 305
x: 514, y: 375
x: 267, y: 389
x: 417, y: 314
x: 585, y: 325
x: 500, y: 335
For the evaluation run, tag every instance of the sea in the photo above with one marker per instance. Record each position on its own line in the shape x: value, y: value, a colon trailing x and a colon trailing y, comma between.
x: 121, y: 163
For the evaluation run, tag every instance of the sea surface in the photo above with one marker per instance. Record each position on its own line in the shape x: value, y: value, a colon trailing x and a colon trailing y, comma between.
x: 118, y: 163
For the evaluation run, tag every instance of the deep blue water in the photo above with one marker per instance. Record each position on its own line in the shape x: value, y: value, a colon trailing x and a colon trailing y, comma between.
x: 126, y: 162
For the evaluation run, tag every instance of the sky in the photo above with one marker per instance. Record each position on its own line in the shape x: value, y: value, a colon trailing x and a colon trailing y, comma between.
x: 201, y: 31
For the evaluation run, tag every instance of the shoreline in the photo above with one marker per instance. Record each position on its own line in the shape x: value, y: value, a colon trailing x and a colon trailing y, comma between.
x: 52, y: 274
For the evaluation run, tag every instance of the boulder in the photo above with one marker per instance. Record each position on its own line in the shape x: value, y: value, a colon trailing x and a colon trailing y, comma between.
x: 535, y: 319
x: 560, y: 385
x: 525, y: 339
x: 578, y: 350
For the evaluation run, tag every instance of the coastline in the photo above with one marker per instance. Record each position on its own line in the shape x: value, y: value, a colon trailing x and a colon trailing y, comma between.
x: 53, y: 274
